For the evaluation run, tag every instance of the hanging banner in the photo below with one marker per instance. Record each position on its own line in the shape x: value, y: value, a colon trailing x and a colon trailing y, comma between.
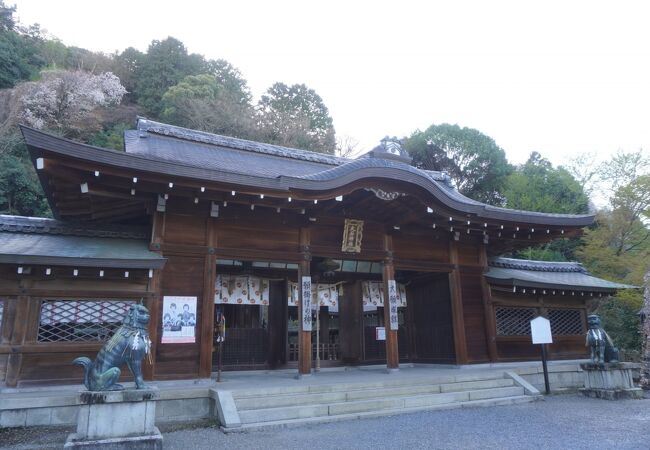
x: 241, y: 290
x: 306, y: 303
x: 373, y: 295
x: 392, y: 304
x: 179, y: 320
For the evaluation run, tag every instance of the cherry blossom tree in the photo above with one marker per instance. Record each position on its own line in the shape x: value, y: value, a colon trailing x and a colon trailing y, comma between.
x: 61, y: 100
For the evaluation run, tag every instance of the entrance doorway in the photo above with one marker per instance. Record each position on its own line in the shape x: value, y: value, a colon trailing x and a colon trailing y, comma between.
x: 429, y: 319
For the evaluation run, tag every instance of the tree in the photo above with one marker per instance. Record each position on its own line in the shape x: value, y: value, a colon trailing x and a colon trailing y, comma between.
x: 295, y: 116
x: 618, y: 246
x: 645, y: 334
x: 231, y: 80
x: 20, y: 192
x: 7, y: 22
x: 61, y: 100
x: 210, y: 103
x: 165, y: 64
x: 126, y: 66
x: 19, y: 59
x: 538, y: 186
x: 474, y: 161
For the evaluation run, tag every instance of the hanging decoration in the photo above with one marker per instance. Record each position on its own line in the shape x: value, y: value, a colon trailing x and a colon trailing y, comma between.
x: 241, y: 290
x: 321, y: 295
x: 373, y: 295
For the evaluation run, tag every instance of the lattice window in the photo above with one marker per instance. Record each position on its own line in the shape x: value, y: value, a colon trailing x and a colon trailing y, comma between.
x: 80, y: 320
x: 514, y: 321
x: 566, y: 321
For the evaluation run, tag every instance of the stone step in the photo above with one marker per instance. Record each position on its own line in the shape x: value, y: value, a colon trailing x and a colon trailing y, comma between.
x: 279, y: 400
x: 296, y: 389
x: 275, y: 414
x: 286, y: 423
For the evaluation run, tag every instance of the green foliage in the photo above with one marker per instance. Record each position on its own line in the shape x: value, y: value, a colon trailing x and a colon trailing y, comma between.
x: 474, y: 161
x: 111, y: 137
x: 165, y: 64
x: 296, y: 116
x: 19, y: 59
x: 620, y: 318
x: 538, y: 186
x: 211, y: 103
x: 20, y: 192
x: 7, y: 22
x: 618, y: 246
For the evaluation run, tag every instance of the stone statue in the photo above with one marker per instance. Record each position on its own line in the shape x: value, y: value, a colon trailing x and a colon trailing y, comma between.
x: 129, y: 345
x: 601, y: 345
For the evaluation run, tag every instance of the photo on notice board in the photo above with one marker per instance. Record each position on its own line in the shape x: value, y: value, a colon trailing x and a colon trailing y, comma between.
x: 179, y: 320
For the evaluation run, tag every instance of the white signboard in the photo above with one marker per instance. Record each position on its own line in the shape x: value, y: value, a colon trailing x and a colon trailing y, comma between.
x: 178, y: 320
x: 380, y: 333
x: 392, y: 304
x: 540, y: 329
x: 306, y: 303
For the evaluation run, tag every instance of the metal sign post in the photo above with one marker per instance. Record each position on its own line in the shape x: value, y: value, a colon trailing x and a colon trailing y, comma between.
x: 540, y: 330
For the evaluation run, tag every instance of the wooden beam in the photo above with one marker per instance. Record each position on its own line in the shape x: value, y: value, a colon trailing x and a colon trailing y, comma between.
x: 392, y: 351
x: 304, y: 337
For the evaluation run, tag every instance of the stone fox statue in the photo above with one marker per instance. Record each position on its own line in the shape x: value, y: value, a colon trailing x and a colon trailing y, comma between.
x: 601, y: 345
x: 129, y: 345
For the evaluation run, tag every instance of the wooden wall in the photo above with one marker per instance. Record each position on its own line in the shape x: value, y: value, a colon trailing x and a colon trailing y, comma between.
x: 517, y: 348
x: 25, y: 360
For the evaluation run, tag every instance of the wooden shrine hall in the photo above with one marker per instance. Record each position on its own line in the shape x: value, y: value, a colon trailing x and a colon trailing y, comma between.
x: 312, y: 260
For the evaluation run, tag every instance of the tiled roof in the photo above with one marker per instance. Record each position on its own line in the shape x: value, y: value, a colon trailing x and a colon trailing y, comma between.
x: 30, y: 240
x: 149, y: 126
x: 550, y: 275
x: 167, y: 150
x: 539, y: 266
x: 40, y: 225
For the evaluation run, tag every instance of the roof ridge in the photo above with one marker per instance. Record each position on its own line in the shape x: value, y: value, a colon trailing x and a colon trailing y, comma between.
x: 164, y: 129
x: 536, y: 265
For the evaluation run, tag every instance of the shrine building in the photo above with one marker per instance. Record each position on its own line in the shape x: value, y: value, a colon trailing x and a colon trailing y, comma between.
x: 313, y: 261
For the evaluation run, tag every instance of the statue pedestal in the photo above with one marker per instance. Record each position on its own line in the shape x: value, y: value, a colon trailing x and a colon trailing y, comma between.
x: 611, y: 381
x: 117, y: 420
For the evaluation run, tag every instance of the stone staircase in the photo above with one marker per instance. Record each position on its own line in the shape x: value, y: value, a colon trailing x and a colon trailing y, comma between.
x: 312, y: 403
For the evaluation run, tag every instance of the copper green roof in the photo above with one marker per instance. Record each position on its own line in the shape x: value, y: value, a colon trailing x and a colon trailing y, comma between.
x: 29, y: 240
x: 550, y: 275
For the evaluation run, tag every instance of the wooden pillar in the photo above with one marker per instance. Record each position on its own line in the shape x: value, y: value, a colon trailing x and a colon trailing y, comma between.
x: 490, y: 326
x: 304, y: 337
x: 207, y: 305
x: 154, y: 301
x: 392, y: 352
x: 15, y: 360
x: 460, y: 342
x: 154, y: 306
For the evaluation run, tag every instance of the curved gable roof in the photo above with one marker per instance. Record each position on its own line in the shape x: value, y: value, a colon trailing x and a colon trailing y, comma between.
x: 174, y: 151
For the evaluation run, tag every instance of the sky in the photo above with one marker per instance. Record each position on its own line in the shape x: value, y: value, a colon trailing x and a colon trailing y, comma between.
x: 556, y: 77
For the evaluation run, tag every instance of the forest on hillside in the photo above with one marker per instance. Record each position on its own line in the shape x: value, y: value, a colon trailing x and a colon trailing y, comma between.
x: 93, y: 97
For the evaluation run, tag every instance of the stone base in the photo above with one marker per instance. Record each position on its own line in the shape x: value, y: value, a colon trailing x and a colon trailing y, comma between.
x: 149, y: 442
x: 613, y: 394
x: 610, y: 381
x: 117, y: 419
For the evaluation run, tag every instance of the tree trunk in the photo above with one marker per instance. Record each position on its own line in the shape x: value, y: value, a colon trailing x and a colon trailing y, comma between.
x: 645, y: 334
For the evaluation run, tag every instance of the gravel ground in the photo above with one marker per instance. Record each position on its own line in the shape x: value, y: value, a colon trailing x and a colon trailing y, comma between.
x: 558, y: 422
